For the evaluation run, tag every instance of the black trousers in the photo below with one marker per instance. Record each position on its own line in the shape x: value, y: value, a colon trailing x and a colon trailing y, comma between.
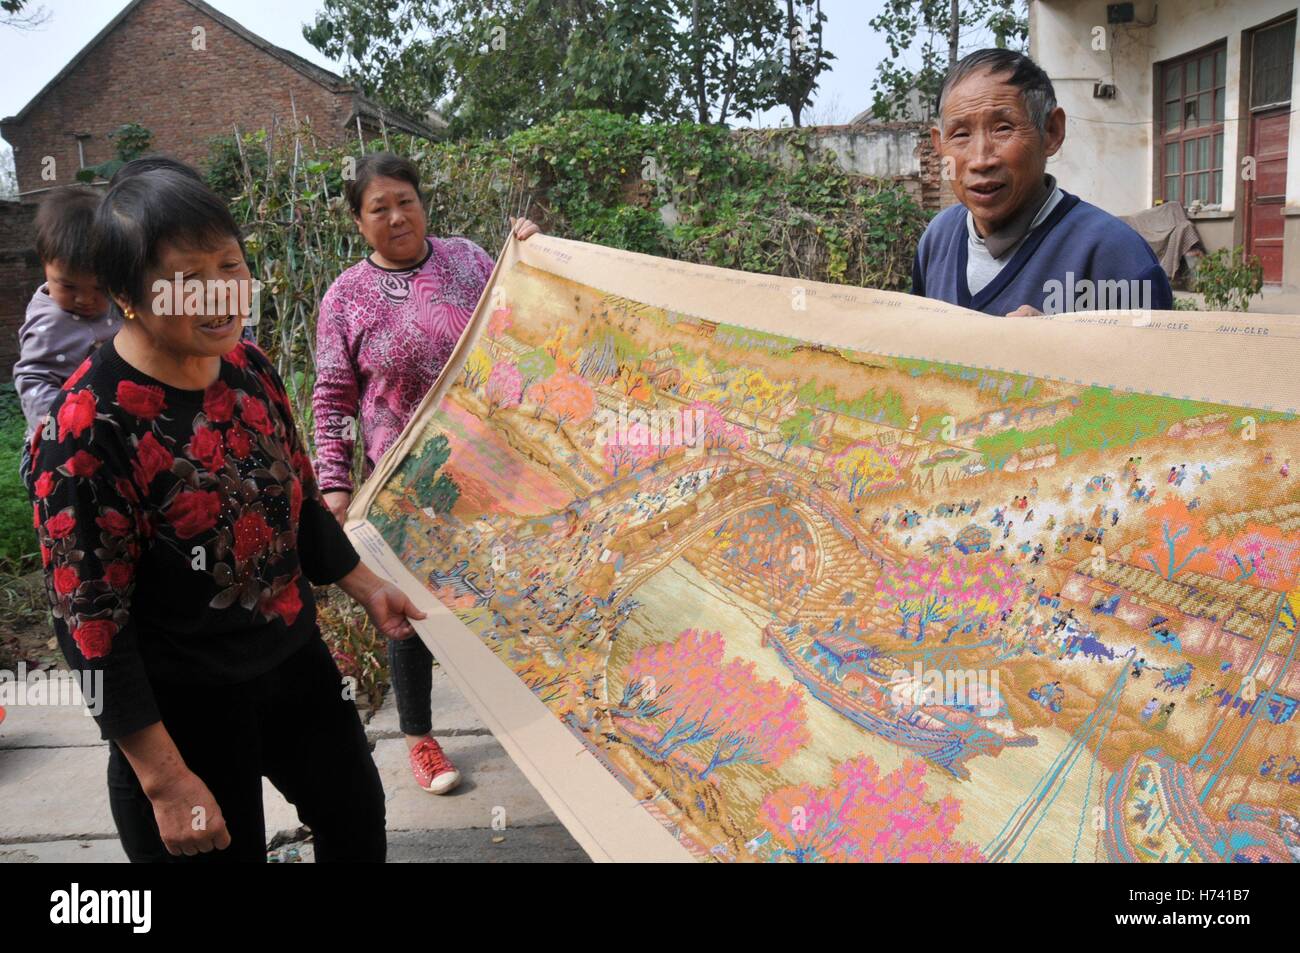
x: 292, y: 725
x: 410, y: 666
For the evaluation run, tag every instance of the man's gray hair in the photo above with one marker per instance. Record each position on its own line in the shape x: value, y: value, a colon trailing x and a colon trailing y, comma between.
x: 1026, y: 75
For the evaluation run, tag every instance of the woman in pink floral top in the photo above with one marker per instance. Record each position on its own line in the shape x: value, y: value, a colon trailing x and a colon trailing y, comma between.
x: 386, y: 328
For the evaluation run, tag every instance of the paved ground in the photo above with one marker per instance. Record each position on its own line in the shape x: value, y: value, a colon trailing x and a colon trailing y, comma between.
x: 1277, y: 301
x: 54, y: 803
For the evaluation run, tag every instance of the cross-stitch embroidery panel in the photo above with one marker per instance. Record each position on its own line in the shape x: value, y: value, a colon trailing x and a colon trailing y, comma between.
x: 812, y: 602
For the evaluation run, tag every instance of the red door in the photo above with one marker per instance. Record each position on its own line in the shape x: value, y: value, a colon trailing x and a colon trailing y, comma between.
x: 1266, y: 195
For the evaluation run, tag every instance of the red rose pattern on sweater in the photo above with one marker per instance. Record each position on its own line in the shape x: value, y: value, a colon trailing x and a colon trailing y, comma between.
x: 203, y: 493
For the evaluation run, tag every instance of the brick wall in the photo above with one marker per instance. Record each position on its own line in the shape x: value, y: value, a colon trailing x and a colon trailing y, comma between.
x: 936, y: 193
x: 146, y: 71
x: 20, y: 275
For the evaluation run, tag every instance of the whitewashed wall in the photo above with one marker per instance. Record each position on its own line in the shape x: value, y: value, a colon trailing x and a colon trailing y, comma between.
x: 1108, y: 154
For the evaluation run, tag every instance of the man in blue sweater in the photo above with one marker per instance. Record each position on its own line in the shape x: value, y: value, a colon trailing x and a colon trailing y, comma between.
x: 1018, y: 243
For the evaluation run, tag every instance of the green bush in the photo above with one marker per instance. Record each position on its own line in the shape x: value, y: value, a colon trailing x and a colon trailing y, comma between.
x: 17, y: 538
x: 727, y: 200
x: 1228, y: 279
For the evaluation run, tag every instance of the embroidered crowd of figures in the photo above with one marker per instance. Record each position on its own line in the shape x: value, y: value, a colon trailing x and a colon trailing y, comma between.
x: 819, y: 605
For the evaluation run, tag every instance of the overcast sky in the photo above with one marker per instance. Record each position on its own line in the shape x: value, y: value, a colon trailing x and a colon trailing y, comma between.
x: 28, y: 60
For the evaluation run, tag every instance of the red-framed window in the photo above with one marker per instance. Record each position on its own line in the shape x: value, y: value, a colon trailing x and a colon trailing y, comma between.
x: 1189, y: 159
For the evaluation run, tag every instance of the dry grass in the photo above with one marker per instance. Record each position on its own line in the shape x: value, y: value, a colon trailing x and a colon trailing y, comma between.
x: 357, y: 647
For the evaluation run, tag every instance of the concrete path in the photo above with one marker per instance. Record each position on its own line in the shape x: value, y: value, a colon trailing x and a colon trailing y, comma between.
x: 54, y: 799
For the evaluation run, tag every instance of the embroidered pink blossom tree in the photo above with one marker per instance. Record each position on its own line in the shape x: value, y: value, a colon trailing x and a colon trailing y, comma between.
x: 1262, y: 556
x: 499, y: 323
x: 862, y: 816
x: 763, y: 721
x: 967, y: 593
x: 566, y: 396
x: 910, y: 588
x: 714, y: 430
x: 681, y: 696
x: 505, y: 387
x: 985, y: 589
x: 621, y: 453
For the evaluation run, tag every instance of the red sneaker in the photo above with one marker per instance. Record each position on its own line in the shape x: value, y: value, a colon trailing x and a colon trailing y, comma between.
x: 433, y: 770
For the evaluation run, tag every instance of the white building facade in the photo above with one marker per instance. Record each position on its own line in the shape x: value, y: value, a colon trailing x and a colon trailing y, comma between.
x: 1182, y: 100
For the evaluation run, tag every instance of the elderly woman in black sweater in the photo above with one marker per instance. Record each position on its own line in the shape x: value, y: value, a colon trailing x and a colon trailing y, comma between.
x: 181, y: 530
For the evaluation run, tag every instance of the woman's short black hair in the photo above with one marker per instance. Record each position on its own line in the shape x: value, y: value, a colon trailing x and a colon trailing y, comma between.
x: 380, y: 165
x: 63, y: 228
x: 143, y: 212
x: 149, y: 163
